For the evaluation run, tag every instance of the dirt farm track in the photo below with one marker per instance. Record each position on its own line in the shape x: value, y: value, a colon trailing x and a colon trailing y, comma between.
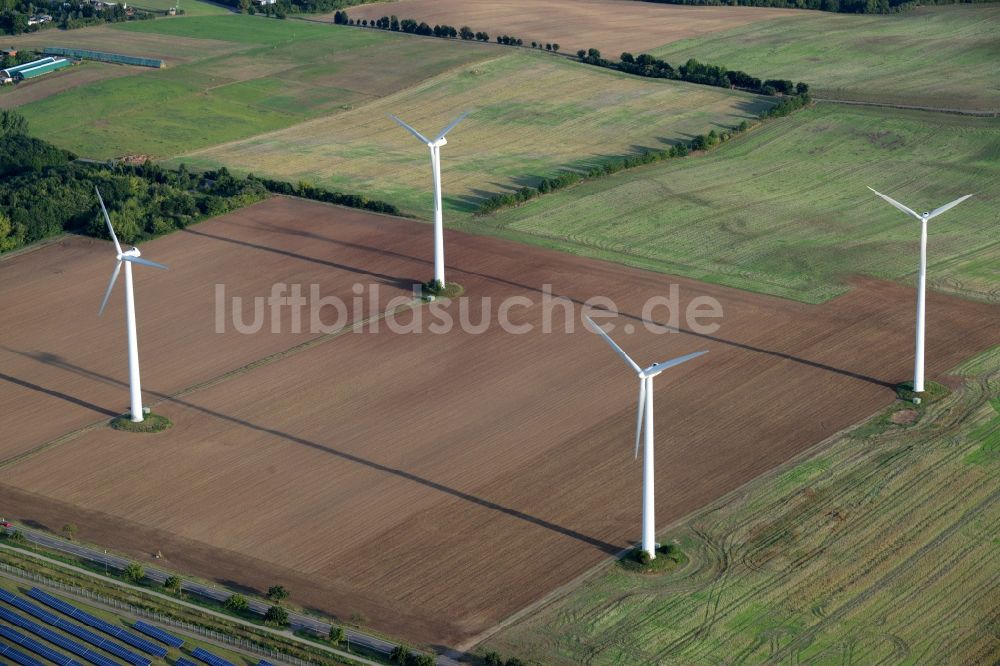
x: 434, y: 484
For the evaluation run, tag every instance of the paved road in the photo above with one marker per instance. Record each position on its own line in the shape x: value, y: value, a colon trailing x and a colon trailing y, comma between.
x: 296, y: 621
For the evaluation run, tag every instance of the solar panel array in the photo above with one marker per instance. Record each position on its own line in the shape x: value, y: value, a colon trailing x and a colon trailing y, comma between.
x: 209, y: 658
x: 86, y: 618
x: 18, y: 657
x: 76, y: 630
x: 181, y: 661
x: 158, y: 634
x: 40, y: 649
x: 264, y: 663
x: 56, y: 639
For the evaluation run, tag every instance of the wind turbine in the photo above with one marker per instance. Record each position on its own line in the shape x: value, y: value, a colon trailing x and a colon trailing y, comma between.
x: 435, y: 148
x: 918, y: 363
x: 130, y: 257
x: 644, y: 423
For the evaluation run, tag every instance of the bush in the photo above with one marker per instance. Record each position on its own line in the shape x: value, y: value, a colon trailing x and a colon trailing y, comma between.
x: 277, y: 616
x: 277, y: 593
x: 173, y: 583
x: 134, y: 572
x: 336, y: 634
x: 399, y: 655
x: 237, y: 603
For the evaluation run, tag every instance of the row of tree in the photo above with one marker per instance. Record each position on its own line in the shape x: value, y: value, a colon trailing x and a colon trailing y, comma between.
x: 693, y: 72
x: 841, y: 6
x: 66, y: 15
x: 785, y: 105
x: 45, y: 192
x: 393, y: 23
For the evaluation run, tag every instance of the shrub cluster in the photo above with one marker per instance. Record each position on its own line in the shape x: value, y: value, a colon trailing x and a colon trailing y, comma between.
x: 45, y: 192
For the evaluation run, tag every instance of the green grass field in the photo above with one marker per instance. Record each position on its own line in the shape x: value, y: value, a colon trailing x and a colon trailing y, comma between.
x: 938, y: 56
x: 880, y: 548
x: 272, y: 74
x: 785, y: 209
x: 532, y: 114
x: 190, y: 7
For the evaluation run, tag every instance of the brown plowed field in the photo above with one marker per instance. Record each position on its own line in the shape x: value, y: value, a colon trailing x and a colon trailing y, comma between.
x: 611, y: 26
x: 433, y: 483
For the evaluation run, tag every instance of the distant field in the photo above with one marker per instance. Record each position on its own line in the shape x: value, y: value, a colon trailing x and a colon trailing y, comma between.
x: 942, y: 56
x: 879, y: 549
x: 173, y: 48
x: 612, y: 26
x: 786, y: 211
x: 532, y: 115
x: 254, y: 75
x: 190, y: 7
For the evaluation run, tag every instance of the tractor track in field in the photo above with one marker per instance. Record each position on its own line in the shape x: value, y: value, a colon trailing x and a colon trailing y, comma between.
x: 911, y: 107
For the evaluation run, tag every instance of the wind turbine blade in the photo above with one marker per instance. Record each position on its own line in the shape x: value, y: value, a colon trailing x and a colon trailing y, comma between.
x: 107, y: 219
x: 111, y: 285
x: 410, y: 129
x: 657, y: 368
x: 144, y: 262
x: 639, y: 414
x: 597, y: 329
x: 947, y: 206
x: 449, y: 127
x: 898, y: 205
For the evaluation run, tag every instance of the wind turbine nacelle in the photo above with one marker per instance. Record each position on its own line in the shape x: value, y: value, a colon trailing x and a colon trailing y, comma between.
x: 441, y: 142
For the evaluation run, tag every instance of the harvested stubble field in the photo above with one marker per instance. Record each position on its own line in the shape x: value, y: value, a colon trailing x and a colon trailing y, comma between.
x: 253, y: 75
x: 881, y: 548
x: 932, y: 56
x: 532, y: 115
x: 785, y: 210
x: 612, y: 26
x: 437, y: 483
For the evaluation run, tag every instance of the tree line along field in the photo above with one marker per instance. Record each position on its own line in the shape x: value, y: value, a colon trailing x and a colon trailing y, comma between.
x: 532, y: 114
x: 932, y: 56
x: 612, y: 26
x: 255, y: 75
x: 878, y: 548
x: 785, y: 209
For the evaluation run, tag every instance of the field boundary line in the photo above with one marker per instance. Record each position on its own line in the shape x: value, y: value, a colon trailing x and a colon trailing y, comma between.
x: 911, y: 107
x: 563, y: 590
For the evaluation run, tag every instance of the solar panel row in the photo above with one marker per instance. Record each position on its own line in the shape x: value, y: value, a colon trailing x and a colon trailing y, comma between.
x: 40, y: 649
x: 74, y: 629
x: 18, y: 657
x: 56, y: 639
x: 99, y: 624
x: 158, y: 634
x: 209, y: 658
x: 264, y: 663
x: 181, y: 661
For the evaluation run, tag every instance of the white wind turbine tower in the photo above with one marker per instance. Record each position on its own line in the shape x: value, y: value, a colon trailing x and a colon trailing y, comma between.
x: 918, y: 363
x: 435, y: 148
x: 130, y: 257
x: 644, y: 423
